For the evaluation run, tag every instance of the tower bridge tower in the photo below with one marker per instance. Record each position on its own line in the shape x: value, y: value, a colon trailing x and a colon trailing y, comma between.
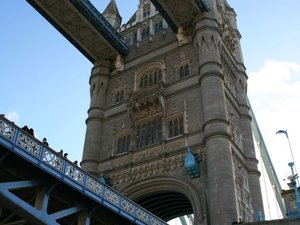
x: 182, y: 84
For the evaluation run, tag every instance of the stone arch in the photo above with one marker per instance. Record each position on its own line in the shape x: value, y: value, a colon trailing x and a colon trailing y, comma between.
x: 161, y: 188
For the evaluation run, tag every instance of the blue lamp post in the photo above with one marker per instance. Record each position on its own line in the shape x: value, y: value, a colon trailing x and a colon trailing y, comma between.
x: 192, y: 164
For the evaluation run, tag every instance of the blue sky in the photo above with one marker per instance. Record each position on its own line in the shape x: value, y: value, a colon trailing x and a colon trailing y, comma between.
x: 44, y: 79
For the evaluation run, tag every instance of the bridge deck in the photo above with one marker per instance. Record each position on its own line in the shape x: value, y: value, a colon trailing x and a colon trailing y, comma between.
x: 42, y: 159
x: 84, y: 26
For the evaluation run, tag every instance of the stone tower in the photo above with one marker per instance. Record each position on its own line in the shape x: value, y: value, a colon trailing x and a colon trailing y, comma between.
x: 111, y: 13
x: 176, y: 90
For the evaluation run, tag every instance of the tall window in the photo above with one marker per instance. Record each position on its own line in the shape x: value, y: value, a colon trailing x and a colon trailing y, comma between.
x: 176, y: 127
x: 149, y: 133
x: 184, y: 71
x: 119, y: 96
x: 135, y: 37
x: 145, y: 32
x: 146, y: 10
x: 123, y: 144
x: 151, y: 77
x: 158, y: 27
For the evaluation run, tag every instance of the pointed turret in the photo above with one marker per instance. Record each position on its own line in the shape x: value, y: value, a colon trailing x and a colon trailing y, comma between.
x: 111, y: 13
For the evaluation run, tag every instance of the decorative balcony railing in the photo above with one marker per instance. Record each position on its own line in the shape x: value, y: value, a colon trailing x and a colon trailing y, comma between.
x: 35, y: 152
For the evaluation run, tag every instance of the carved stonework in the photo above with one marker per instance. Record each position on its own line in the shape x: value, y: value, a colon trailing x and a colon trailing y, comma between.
x: 229, y: 72
x: 161, y: 166
x: 119, y: 63
x: 181, y: 36
x: 244, y: 202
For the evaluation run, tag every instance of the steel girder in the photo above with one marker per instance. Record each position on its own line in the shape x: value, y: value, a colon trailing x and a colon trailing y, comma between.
x: 181, y: 12
x: 84, y: 26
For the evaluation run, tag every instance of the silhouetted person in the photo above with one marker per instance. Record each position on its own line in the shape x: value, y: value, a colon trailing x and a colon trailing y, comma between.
x: 26, y: 129
x: 45, y: 142
x: 31, y: 132
x: 75, y: 162
x: 66, y: 155
x: 61, y: 152
x: 240, y: 221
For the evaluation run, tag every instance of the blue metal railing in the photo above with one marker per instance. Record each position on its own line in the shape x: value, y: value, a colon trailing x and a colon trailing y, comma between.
x: 18, y: 141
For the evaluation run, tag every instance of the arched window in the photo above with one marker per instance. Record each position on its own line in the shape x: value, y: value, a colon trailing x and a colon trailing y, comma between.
x: 123, y: 145
x: 186, y: 70
x: 156, y: 29
x: 155, y: 77
x: 135, y: 37
x: 171, y: 129
x: 146, y: 10
x: 154, y: 131
x: 149, y: 133
x: 146, y: 80
x: 159, y: 75
x: 159, y: 128
x: 181, y: 125
x: 138, y: 137
x: 181, y: 72
x: 176, y: 127
x: 150, y: 79
x: 143, y: 33
x: 119, y: 146
x: 142, y: 82
x: 117, y: 97
x: 122, y: 96
x: 160, y: 26
x: 128, y: 143
x: 144, y: 135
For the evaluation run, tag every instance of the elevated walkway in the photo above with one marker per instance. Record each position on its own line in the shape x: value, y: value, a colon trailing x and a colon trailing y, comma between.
x: 180, y: 12
x: 84, y: 26
x: 40, y: 186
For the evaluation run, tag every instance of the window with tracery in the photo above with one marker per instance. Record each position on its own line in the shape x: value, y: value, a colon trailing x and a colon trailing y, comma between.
x: 145, y: 32
x: 134, y: 37
x: 176, y: 127
x: 123, y: 144
x: 146, y: 10
x: 150, y: 77
x: 184, y: 71
x: 119, y: 96
x: 158, y: 26
x: 148, y: 133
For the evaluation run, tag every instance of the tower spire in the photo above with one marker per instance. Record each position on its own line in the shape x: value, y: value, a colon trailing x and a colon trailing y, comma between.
x: 111, y: 13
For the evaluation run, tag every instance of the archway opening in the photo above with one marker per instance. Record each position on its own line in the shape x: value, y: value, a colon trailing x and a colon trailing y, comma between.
x: 166, y: 205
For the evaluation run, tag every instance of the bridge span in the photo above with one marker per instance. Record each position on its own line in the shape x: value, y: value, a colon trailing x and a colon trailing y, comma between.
x: 40, y: 186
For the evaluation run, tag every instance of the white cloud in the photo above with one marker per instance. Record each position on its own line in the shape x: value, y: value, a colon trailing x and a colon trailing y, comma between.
x: 13, y: 116
x: 274, y: 92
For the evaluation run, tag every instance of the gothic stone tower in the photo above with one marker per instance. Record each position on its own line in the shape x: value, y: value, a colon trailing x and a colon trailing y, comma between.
x: 176, y: 89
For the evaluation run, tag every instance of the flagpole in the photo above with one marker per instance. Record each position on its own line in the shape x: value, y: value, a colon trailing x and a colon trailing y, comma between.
x: 287, y: 136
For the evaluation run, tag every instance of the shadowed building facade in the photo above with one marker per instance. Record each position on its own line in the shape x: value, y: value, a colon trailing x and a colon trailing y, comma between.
x: 182, y: 85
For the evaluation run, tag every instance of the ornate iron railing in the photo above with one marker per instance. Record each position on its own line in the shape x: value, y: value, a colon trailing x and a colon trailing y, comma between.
x: 34, y: 151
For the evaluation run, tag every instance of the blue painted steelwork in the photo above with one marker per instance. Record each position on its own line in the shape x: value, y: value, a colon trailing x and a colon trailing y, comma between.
x: 192, y: 165
x: 164, y: 14
x: 203, y: 5
x: 102, y: 25
x: 19, y: 142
